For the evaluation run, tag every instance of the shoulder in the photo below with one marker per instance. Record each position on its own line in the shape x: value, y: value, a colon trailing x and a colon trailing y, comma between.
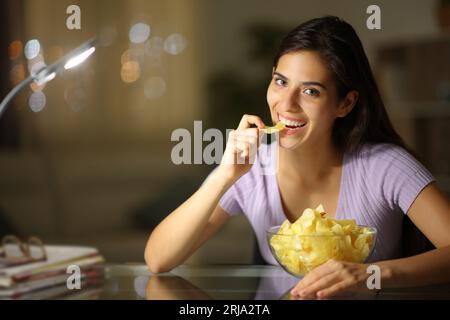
x: 385, y: 156
x: 380, y: 150
x: 392, y: 170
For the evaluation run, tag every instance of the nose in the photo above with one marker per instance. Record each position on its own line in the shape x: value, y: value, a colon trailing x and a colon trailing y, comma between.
x: 290, y: 101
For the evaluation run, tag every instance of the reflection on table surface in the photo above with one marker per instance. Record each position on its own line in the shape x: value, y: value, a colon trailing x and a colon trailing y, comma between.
x: 234, y: 282
x: 200, y: 282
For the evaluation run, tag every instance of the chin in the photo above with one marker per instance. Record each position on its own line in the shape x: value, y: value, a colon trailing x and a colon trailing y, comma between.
x: 290, y: 143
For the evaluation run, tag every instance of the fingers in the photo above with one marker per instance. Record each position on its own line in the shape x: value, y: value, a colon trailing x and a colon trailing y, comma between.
x: 247, y: 120
x: 244, y: 141
x: 243, y: 146
x: 312, y: 277
x: 322, y: 283
x: 329, y: 279
x: 335, y: 289
x: 245, y: 137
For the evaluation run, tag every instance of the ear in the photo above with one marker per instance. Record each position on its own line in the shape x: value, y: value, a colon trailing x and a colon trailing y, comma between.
x: 347, y: 104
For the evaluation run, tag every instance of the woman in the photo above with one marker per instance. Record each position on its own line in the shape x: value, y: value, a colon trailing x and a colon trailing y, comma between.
x: 340, y: 150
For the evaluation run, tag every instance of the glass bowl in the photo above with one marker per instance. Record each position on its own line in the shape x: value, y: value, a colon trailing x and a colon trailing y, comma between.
x: 299, y: 254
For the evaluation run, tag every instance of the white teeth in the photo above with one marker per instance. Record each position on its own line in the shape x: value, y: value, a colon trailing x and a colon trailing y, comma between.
x: 292, y: 123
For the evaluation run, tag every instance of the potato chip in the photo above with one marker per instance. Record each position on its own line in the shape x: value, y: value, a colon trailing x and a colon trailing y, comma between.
x: 276, y: 128
x: 313, y: 239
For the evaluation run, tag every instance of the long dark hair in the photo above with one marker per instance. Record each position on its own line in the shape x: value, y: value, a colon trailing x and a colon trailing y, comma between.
x: 340, y: 47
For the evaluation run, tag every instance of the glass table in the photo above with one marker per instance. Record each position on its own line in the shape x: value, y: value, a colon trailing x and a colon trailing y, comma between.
x: 217, y: 282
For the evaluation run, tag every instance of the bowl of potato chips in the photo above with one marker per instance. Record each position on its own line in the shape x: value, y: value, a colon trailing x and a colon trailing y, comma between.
x: 313, y: 239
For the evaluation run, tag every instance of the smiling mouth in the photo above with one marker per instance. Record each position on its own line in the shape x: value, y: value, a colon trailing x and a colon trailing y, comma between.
x: 292, y: 124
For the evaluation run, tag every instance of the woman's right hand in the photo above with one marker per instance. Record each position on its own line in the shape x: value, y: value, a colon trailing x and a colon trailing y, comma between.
x: 241, y: 148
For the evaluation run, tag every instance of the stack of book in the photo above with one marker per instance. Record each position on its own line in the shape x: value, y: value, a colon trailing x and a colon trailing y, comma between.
x: 59, y: 273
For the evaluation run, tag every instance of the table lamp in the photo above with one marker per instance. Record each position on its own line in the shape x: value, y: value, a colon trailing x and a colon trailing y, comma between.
x: 47, y: 73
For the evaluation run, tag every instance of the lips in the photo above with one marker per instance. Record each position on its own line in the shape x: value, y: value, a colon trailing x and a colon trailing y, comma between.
x: 292, y: 123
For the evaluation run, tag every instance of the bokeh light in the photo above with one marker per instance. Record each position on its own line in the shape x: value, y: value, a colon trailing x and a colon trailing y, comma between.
x: 175, y: 44
x: 154, y: 46
x: 134, y: 53
x: 32, y: 49
x: 35, y: 87
x: 130, y: 72
x: 126, y: 57
x: 35, y: 65
x: 139, y: 33
x: 154, y: 87
x: 15, y: 49
x: 17, y: 73
x: 37, y: 101
x: 137, y: 52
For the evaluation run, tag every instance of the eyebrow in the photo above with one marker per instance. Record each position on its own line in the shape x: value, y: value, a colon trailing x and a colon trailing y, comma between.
x: 306, y: 83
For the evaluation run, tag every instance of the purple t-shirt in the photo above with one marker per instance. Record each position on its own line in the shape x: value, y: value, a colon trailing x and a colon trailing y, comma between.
x: 378, y: 185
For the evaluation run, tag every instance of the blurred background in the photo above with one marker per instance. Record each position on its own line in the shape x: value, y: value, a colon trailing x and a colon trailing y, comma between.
x: 86, y: 159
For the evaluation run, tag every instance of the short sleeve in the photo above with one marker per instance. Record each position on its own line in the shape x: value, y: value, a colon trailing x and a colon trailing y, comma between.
x: 229, y: 201
x: 403, y: 177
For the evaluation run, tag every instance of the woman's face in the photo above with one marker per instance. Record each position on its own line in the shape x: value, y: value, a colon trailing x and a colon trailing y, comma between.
x: 302, y: 94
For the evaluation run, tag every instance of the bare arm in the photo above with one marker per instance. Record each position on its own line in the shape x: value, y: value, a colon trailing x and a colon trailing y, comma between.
x: 185, y: 229
x: 191, y: 224
x: 430, y: 212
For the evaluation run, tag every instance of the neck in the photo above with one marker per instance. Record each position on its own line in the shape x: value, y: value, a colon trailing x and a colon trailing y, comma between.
x: 311, y: 163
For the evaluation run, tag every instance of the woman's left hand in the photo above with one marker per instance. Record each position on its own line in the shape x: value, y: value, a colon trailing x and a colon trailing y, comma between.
x: 331, y: 278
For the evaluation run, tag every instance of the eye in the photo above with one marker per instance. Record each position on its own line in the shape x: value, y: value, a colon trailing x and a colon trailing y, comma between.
x: 312, y: 92
x: 280, y: 82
